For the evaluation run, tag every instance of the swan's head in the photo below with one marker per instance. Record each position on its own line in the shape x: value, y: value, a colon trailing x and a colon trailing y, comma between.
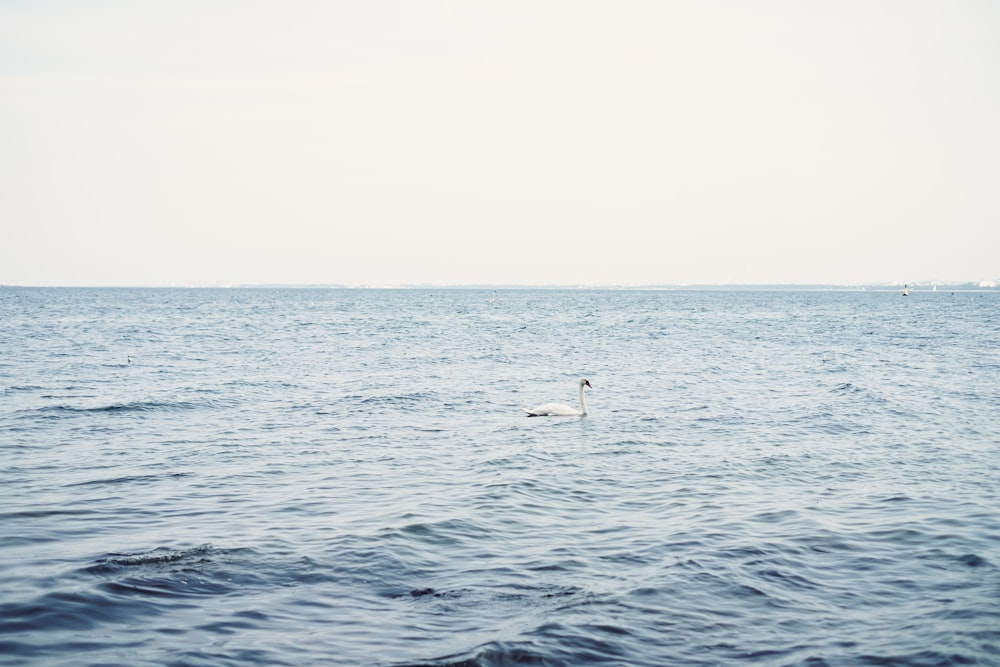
x: 584, y: 382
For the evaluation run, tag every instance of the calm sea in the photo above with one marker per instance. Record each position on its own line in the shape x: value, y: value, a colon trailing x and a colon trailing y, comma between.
x: 320, y: 477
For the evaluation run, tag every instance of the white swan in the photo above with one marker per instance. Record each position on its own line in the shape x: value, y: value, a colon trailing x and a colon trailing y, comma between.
x: 559, y: 409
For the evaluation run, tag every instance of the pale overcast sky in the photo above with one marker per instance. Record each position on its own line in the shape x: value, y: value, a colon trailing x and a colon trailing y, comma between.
x: 520, y: 142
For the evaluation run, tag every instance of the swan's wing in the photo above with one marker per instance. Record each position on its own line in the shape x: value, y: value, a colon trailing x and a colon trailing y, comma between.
x: 552, y: 410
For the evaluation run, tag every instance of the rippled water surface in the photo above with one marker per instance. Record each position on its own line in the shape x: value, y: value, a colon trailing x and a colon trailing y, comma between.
x: 306, y: 477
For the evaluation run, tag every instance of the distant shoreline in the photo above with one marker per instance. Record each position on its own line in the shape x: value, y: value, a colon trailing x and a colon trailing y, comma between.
x: 791, y: 287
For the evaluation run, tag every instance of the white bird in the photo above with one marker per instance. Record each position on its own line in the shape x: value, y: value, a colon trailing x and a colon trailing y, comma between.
x: 561, y: 410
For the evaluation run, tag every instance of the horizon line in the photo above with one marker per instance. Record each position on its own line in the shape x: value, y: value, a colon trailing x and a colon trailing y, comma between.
x: 929, y: 285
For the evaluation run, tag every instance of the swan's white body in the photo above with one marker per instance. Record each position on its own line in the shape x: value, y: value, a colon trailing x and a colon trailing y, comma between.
x: 560, y: 409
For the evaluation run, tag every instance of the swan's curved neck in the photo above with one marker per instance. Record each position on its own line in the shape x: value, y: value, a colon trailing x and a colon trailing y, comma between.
x: 583, y: 402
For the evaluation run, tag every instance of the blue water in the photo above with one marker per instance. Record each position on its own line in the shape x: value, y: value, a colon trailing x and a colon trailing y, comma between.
x: 318, y: 477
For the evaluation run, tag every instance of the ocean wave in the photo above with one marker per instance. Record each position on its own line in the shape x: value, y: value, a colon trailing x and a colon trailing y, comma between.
x: 67, y: 610
x: 387, y: 403
x: 25, y: 388
x: 131, y: 479
x: 128, y: 407
x: 158, y: 556
x: 498, y: 654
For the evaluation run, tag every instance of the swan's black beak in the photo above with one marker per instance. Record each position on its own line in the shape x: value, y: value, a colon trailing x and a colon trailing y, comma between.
x: 587, y: 382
